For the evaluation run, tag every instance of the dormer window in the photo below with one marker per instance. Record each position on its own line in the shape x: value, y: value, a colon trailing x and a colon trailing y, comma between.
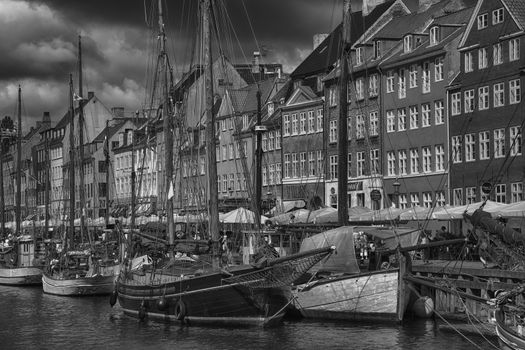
x: 434, y: 35
x: 497, y: 16
x: 130, y: 137
x: 377, y: 49
x: 270, y: 109
x: 483, y: 20
x: 359, y: 56
x: 407, y: 43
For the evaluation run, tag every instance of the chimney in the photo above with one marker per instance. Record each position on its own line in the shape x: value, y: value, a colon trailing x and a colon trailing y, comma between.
x: 318, y: 39
x: 425, y: 5
x: 91, y: 94
x: 118, y: 112
x: 46, y: 118
x: 256, y: 62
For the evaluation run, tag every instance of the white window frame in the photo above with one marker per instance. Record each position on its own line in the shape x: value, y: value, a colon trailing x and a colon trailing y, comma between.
x: 468, y: 100
x: 499, y: 143
x: 439, y: 152
x: 514, y: 49
x: 497, y: 54
x: 498, y: 16
x: 483, y: 21
x: 425, y: 115
x: 515, y: 140
x: 455, y: 103
x: 412, y: 74
x: 390, y: 81
x: 426, y: 159
x: 434, y: 35
x: 390, y: 121
x: 457, y: 149
x: 414, y: 117
x: 439, y: 112
x: 468, y: 62
x: 499, y: 95
x: 470, y: 147
x: 438, y: 69
x: 402, y: 83
x: 414, y: 161
x: 483, y: 98
x: 374, y: 123
x: 401, y: 119
x: 484, y: 145
x: 482, y: 58
x: 514, y: 91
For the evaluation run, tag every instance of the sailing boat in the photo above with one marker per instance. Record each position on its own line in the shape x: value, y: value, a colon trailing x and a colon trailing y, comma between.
x: 75, y: 271
x: 185, y: 286
x: 17, y: 255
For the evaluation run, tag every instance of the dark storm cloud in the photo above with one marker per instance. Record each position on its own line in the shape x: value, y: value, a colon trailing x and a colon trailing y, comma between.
x: 38, y: 41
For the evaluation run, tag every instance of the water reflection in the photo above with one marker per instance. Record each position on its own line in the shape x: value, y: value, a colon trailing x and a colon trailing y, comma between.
x: 33, y: 320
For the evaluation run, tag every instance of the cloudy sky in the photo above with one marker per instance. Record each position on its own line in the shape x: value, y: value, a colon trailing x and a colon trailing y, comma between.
x: 38, y: 42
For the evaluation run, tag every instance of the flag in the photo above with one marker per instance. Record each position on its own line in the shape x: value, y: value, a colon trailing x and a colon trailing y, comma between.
x: 170, y: 192
x: 77, y: 98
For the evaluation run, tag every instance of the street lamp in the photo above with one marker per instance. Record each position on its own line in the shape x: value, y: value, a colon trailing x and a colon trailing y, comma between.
x: 396, y: 185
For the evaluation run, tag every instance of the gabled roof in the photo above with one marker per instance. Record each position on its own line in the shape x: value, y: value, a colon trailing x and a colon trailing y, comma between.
x: 517, y: 10
x: 111, y: 130
x: 66, y: 119
x: 326, y: 54
x: 300, y: 95
x: 245, y: 99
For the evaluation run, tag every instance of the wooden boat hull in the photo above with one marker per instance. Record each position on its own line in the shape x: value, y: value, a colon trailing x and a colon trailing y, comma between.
x: 83, y: 286
x: 374, y: 296
x: 509, y: 338
x: 20, y: 276
x: 200, y: 300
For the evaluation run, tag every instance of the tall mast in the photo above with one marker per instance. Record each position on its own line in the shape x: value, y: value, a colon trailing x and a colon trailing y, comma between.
x: 2, y: 199
x: 213, y: 219
x: 133, y: 185
x: 167, y: 127
x: 71, y: 163
x: 46, y: 187
x: 258, y: 162
x: 342, y: 184
x: 106, y: 154
x: 81, y: 143
x: 19, y: 161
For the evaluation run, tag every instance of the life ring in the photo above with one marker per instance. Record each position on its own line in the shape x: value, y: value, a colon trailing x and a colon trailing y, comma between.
x: 385, y: 265
x: 180, y: 310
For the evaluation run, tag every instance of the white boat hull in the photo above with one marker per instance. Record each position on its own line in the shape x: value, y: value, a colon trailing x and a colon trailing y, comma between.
x: 20, y: 276
x: 96, y: 285
x: 373, y: 296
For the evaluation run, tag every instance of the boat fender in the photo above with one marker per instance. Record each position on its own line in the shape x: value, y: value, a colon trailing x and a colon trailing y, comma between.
x: 142, y: 310
x: 423, y: 307
x: 180, y: 310
x: 113, y: 298
x: 162, y: 304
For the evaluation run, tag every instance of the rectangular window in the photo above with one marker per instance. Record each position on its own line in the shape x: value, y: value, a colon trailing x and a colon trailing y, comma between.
x: 402, y: 92
x: 501, y: 193
x: 438, y: 69
x: 412, y: 76
x: 497, y: 16
x: 425, y: 115
x: 427, y: 199
x: 403, y: 201
x: 320, y: 163
x: 359, y: 89
x: 373, y: 89
x: 272, y: 175
x: 264, y: 145
x: 456, y: 149
x: 427, y: 159
x: 497, y: 56
x: 414, y: 199
x: 359, y: 56
x: 374, y: 161
x: 287, y: 167
x: 514, y: 49
x: 390, y: 81
x: 414, y: 118
x: 302, y: 123
x: 402, y: 157
x: 302, y: 164
x: 482, y: 58
x: 469, y: 65
x: 277, y: 139
x: 440, y: 157
x: 391, y: 161
x: 470, y: 152
x: 349, y: 126
x: 295, y: 125
x: 414, y: 161
x: 295, y: 166
x: 483, y: 98
x: 439, y: 116
x: 311, y: 122
x: 401, y: 119
x: 333, y: 167
x: 374, y: 123
x: 516, y: 192
x: 471, y: 195
x: 332, y: 96
x: 514, y: 91
x: 426, y: 77
x: 484, y: 145
x: 469, y: 101
x: 440, y: 198
x: 407, y: 43
x: 434, y: 36
x: 456, y: 103
x: 359, y: 127
x: 311, y: 163
x: 320, y: 120
x: 278, y: 174
x: 515, y: 140
x: 360, y: 163
x: 271, y: 141
x: 483, y: 20
x: 286, y: 125
x: 458, y: 197
x: 499, y: 143
x: 333, y: 131
x: 390, y: 121
x: 499, y: 94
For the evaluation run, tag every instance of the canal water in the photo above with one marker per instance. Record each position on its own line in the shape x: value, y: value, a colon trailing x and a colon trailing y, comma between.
x: 30, y: 319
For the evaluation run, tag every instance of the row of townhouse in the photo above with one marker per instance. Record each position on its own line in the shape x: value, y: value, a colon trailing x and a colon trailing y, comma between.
x: 434, y: 109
